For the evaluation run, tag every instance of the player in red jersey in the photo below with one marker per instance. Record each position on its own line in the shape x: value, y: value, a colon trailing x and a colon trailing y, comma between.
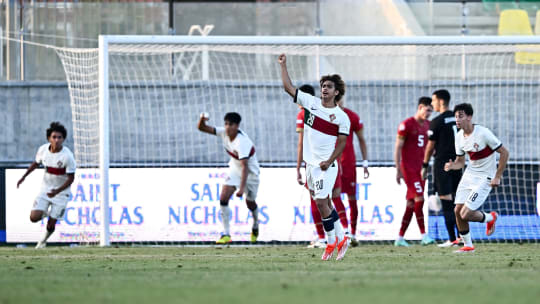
x: 336, y: 191
x: 348, y: 166
x: 409, y: 157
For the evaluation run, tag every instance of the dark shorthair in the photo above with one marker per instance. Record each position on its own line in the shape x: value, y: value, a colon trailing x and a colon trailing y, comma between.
x: 307, y: 89
x: 426, y: 101
x: 338, y: 83
x: 465, y: 107
x: 233, y: 117
x: 444, y: 95
x: 56, y: 127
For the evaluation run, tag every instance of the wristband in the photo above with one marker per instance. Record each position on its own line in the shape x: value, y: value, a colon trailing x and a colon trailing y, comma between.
x: 365, y: 163
x: 425, y: 165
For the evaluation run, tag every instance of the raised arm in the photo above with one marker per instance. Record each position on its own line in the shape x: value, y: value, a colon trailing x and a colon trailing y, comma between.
x: 203, y: 127
x: 503, y: 160
x: 397, y: 157
x: 363, y: 149
x: 287, y: 83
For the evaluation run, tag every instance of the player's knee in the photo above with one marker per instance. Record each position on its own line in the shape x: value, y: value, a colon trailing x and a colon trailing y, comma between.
x: 410, y: 204
x: 252, y: 205
x: 36, y: 216
x: 51, y: 227
x: 457, y: 211
x: 466, y: 214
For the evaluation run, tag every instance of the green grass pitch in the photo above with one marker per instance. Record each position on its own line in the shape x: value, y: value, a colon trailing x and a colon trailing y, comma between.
x: 495, y: 273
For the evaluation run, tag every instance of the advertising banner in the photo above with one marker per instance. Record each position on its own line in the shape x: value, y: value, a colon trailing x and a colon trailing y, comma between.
x: 182, y: 205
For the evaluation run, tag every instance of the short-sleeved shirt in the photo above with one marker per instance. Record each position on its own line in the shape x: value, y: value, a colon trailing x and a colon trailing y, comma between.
x: 322, y: 126
x: 415, y: 136
x: 442, y: 130
x: 480, y: 145
x: 57, y: 167
x: 348, y: 157
x: 238, y: 149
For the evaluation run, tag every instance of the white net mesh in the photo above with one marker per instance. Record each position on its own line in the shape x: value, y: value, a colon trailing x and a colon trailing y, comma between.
x: 157, y: 92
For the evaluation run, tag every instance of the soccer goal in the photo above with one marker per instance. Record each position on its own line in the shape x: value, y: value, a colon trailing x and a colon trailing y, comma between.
x: 154, y: 178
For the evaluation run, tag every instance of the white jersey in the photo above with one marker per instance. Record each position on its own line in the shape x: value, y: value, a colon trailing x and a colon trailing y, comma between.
x: 480, y: 145
x: 57, y: 166
x: 240, y: 148
x: 321, y: 128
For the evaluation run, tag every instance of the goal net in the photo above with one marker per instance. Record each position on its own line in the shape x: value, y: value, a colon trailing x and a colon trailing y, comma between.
x: 164, y: 175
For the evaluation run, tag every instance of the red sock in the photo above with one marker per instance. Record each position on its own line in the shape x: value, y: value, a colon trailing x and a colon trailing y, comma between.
x: 419, y: 215
x: 406, y: 219
x: 317, y: 219
x: 354, y: 216
x: 340, y: 208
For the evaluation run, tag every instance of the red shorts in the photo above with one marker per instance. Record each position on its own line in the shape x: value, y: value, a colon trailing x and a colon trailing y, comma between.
x: 414, y: 182
x: 348, y: 179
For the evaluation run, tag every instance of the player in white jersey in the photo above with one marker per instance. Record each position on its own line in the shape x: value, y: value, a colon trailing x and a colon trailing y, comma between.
x: 59, y: 174
x: 326, y: 127
x: 481, y: 174
x: 243, y: 171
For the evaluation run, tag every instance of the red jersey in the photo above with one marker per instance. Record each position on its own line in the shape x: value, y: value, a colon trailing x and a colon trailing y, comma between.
x: 348, y: 157
x: 415, y: 135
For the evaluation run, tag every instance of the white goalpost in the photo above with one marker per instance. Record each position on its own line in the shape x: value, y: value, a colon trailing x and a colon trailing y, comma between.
x: 135, y: 101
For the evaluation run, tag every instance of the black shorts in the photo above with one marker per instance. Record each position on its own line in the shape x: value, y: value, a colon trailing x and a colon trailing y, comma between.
x: 445, y: 182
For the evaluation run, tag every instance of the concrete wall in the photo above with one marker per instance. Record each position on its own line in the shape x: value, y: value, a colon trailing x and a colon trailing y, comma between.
x: 161, y: 130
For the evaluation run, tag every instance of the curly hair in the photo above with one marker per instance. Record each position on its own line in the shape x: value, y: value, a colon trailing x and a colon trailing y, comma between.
x: 339, y: 84
x: 56, y: 127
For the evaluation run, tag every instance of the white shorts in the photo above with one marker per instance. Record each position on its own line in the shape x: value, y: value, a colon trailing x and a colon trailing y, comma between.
x: 320, y: 182
x: 58, y: 204
x: 473, y: 191
x: 252, y: 184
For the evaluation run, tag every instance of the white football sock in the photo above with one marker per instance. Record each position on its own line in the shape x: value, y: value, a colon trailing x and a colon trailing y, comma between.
x: 400, y: 238
x: 467, y: 240
x: 340, y: 232
x: 225, y: 218
x: 488, y: 217
x: 331, y: 236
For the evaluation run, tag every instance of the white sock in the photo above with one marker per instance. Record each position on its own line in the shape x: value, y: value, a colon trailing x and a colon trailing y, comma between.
x: 488, y: 217
x: 331, y: 236
x: 46, y: 236
x: 423, y: 235
x: 467, y: 240
x: 255, y: 214
x: 225, y: 218
x: 340, y: 232
x: 400, y: 238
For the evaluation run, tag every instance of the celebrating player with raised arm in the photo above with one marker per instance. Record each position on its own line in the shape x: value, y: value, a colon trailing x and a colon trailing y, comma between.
x: 481, y: 174
x: 59, y: 175
x: 348, y: 165
x: 324, y: 125
x: 243, y: 171
x: 409, y: 156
